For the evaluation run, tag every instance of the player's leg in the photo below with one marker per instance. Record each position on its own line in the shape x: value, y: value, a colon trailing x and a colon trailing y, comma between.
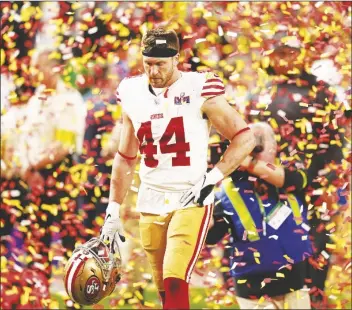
x: 153, y: 231
x: 185, y: 239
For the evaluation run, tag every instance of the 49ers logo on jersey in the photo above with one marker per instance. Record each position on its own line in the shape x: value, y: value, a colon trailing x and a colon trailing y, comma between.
x: 92, y: 287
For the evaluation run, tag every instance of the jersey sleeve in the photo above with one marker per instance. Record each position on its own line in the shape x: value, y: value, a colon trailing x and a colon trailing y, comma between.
x: 213, y: 86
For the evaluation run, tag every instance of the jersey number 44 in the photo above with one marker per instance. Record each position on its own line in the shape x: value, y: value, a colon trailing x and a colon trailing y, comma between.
x: 149, y: 149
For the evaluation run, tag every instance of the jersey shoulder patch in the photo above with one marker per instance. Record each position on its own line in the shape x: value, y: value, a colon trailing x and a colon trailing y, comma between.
x: 213, y: 85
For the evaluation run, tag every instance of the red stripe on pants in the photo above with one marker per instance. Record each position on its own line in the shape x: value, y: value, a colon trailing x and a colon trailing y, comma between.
x: 196, y: 248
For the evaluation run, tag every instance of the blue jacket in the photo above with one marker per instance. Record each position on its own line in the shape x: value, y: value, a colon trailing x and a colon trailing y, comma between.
x: 260, y: 245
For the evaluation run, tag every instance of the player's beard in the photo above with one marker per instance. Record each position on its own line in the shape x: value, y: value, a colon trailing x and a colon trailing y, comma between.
x: 169, y: 76
x: 164, y: 81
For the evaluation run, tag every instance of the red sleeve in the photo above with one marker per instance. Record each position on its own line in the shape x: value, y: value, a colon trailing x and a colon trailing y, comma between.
x: 213, y: 86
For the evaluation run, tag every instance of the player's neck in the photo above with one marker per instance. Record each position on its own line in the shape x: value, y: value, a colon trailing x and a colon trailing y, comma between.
x: 177, y: 75
x: 51, y: 83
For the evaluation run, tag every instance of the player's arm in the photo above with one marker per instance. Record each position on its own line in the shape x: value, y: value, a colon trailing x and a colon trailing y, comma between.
x: 228, y: 122
x: 55, y: 153
x: 111, y: 147
x: 124, y: 162
x: 121, y: 178
x: 279, y: 176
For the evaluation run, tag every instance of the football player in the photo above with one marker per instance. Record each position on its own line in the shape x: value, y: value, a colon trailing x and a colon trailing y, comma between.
x: 167, y: 116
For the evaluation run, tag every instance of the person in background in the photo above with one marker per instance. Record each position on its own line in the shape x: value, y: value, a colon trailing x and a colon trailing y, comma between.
x: 13, y: 158
x: 303, y: 112
x: 262, y: 207
x: 54, y: 130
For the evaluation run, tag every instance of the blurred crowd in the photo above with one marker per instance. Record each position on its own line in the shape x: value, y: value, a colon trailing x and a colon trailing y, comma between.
x: 60, y: 65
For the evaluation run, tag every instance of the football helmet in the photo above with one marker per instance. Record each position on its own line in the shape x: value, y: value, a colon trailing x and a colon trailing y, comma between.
x: 92, y: 271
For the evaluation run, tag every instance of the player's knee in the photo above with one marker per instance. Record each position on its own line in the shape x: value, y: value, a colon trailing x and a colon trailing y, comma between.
x: 169, y: 270
x: 173, y: 285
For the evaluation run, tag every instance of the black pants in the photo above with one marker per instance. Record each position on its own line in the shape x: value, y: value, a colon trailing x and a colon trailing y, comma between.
x: 318, y: 275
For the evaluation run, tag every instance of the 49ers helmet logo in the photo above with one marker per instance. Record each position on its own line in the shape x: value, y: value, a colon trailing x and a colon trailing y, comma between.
x: 92, y: 287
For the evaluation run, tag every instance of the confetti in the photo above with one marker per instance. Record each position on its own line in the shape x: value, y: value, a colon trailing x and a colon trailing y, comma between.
x: 104, y: 34
x: 200, y: 40
x: 326, y: 255
x: 241, y: 281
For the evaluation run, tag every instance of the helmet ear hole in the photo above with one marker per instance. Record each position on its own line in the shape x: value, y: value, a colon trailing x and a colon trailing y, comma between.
x: 118, y: 278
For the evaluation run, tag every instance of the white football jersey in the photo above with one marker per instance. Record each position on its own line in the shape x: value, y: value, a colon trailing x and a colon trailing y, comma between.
x: 170, y: 127
x: 58, y: 116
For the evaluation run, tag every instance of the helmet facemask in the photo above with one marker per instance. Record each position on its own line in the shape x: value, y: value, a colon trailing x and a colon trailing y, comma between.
x: 104, y: 255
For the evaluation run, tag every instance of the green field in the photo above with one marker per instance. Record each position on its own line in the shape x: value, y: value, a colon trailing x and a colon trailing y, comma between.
x: 197, y: 298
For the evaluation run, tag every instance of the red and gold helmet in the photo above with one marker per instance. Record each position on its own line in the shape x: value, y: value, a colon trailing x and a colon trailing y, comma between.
x: 92, y: 272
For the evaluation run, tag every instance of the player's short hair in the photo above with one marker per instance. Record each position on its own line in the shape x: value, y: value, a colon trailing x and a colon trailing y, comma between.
x: 160, y: 42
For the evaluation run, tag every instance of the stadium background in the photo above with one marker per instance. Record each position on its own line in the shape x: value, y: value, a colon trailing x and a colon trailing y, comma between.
x: 230, y: 38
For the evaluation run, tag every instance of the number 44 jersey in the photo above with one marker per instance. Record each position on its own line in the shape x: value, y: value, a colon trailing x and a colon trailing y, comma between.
x: 170, y: 127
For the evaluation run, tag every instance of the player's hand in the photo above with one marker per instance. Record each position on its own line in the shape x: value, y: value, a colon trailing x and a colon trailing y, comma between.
x: 203, y: 188
x: 112, y: 226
